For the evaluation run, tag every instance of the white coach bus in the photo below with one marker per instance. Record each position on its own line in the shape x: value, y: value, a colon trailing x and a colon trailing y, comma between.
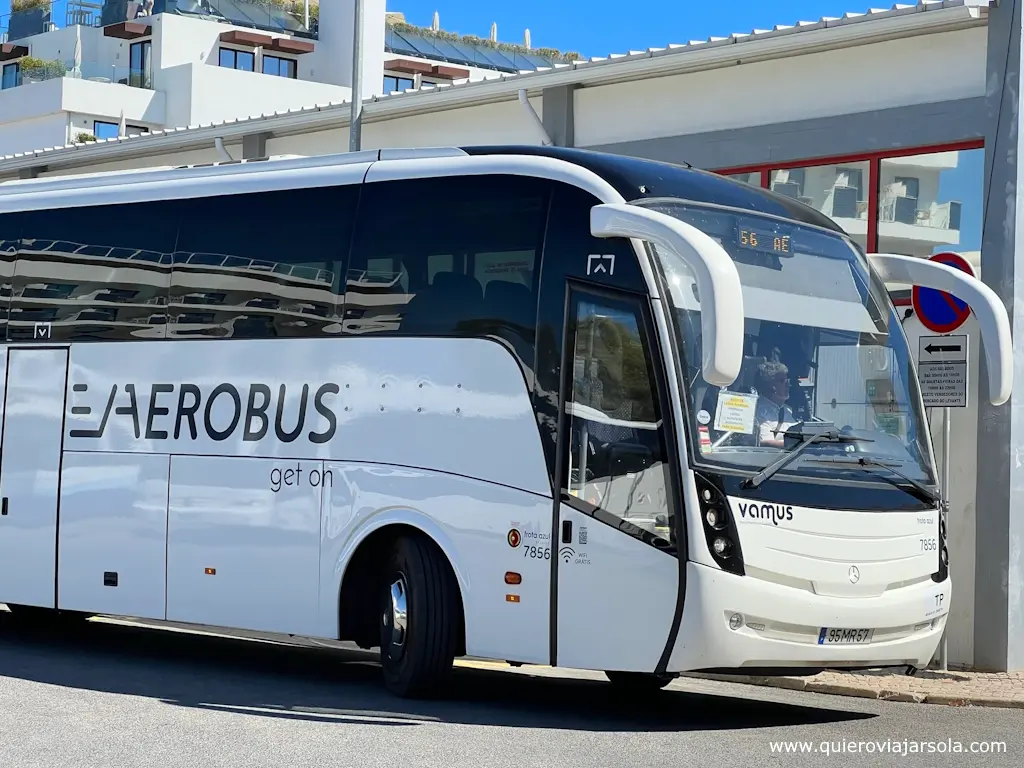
x: 537, y: 405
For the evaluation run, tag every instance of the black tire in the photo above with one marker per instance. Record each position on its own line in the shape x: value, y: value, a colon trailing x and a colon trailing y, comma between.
x: 639, y: 682
x: 422, y: 662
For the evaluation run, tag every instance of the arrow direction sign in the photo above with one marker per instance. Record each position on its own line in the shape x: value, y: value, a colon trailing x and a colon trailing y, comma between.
x: 933, y: 348
x: 942, y: 370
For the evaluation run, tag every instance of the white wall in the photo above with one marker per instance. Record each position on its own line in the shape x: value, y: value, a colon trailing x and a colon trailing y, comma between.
x: 199, y: 94
x: 908, y: 71
x: 98, y: 52
x: 179, y: 40
x: 36, y: 115
x: 333, y: 57
x: 36, y: 133
x: 107, y: 100
x: 504, y: 123
x: 195, y: 157
x: 30, y: 101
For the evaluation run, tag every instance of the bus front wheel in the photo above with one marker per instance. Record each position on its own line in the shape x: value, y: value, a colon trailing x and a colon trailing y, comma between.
x: 639, y: 682
x: 419, y: 618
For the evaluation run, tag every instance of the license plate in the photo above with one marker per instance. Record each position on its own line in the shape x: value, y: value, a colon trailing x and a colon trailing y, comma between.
x: 833, y: 636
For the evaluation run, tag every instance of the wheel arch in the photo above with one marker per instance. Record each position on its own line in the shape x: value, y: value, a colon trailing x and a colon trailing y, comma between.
x: 361, y: 563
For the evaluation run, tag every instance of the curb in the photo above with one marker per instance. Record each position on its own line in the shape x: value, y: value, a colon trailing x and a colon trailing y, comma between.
x: 809, y: 685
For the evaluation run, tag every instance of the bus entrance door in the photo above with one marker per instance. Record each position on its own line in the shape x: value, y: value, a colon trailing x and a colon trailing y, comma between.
x: 618, y: 576
x: 30, y: 451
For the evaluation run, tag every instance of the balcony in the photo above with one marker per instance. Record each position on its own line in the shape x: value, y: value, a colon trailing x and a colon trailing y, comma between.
x: 283, y: 16
x: 29, y: 70
x: 34, y: 17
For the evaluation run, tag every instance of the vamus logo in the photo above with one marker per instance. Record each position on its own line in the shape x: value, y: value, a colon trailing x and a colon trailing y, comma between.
x: 766, y: 513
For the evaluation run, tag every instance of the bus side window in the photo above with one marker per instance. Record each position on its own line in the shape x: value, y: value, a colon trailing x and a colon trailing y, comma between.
x: 97, y: 273
x: 617, y: 455
x: 263, y: 264
x: 10, y: 233
x: 450, y: 256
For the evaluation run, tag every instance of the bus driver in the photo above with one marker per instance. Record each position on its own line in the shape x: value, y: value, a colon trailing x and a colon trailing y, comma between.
x: 773, y: 417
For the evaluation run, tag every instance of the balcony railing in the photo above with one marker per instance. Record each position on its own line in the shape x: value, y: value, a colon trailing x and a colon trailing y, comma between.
x: 85, y: 70
x: 908, y: 210
x: 286, y: 16
x: 34, y: 17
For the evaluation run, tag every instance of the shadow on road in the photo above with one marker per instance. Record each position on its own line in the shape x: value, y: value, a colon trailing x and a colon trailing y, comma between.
x: 338, y: 686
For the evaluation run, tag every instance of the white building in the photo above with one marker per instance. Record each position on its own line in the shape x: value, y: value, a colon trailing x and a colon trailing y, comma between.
x: 902, y: 124
x: 160, y: 64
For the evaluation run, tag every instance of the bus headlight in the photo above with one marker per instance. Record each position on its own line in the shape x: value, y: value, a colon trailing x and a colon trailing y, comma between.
x: 943, y: 573
x: 735, y: 621
x: 719, y: 529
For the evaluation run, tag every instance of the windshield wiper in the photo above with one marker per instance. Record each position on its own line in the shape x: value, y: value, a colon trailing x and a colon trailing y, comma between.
x: 820, y: 432
x: 911, y: 486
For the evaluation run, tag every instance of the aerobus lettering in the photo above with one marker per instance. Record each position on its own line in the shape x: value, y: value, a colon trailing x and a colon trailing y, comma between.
x: 193, y: 412
x: 771, y: 512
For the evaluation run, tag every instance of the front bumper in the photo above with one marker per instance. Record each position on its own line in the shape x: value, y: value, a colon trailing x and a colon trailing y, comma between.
x: 780, y: 625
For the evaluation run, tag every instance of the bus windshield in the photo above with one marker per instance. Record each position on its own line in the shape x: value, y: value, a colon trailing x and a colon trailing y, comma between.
x: 822, y: 343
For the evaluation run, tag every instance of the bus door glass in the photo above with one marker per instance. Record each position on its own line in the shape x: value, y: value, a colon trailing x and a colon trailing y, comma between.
x: 618, y: 575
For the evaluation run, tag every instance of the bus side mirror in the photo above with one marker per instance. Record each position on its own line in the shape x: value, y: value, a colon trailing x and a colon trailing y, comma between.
x: 993, y: 320
x: 718, y: 282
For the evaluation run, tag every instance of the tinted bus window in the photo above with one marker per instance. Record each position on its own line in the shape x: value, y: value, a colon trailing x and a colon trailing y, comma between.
x: 449, y: 257
x: 262, y: 265
x: 570, y: 251
x: 94, y: 273
x: 10, y: 231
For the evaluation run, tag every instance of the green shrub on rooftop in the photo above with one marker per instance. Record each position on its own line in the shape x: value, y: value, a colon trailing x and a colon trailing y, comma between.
x: 453, y: 37
x: 22, y: 6
x: 44, y: 69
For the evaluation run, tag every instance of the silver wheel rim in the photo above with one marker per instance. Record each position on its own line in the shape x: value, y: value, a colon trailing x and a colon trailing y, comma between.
x: 397, y: 617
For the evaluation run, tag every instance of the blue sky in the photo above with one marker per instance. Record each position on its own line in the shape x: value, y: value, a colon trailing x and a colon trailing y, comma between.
x: 599, y: 27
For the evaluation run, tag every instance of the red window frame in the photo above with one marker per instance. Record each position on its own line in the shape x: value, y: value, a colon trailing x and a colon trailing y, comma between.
x: 874, y: 160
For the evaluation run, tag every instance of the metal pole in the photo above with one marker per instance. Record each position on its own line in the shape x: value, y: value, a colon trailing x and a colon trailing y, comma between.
x: 355, y: 128
x: 306, y: 9
x: 946, y: 430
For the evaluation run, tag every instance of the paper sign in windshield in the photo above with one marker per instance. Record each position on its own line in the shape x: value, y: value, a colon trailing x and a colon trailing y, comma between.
x: 735, y: 412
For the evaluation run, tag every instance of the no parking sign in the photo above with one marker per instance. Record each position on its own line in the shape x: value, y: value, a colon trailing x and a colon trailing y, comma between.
x: 938, y: 311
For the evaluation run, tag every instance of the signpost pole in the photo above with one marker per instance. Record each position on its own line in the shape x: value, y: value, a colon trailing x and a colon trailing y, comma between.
x: 943, y: 368
x: 947, y: 415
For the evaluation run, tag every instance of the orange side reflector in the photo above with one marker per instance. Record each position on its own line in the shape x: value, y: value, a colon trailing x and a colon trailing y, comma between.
x: 511, y: 577
x: 512, y: 598
x: 210, y: 571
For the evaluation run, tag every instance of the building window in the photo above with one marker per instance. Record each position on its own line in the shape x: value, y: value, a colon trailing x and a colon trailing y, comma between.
x: 232, y: 59
x: 275, y: 65
x: 106, y: 130
x: 11, y: 76
x: 393, y: 83
x: 141, y: 63
x: 753, y: 179
x: 838, y: 191
x: 929, y: 203
x: 915, y: 203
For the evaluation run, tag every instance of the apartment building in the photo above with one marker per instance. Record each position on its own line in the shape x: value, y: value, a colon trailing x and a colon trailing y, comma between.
x: 78, y: 71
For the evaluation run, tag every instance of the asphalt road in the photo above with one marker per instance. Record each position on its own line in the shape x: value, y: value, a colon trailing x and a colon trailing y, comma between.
x: 109, y: 695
